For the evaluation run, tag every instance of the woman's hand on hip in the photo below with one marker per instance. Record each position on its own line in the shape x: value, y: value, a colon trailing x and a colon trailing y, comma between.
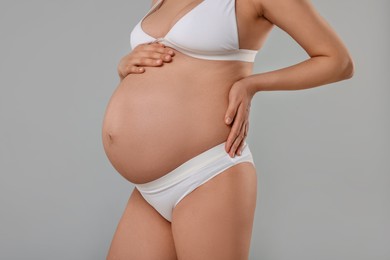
x: 237, y: 115
x: 143, y: 55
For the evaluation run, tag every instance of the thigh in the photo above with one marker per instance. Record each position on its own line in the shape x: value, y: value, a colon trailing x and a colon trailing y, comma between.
x: 215, y: 220
x: 142, y: 233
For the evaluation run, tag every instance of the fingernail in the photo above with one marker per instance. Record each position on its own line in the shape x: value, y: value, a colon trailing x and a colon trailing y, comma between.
x: 227, y: 120
x: 239, y: 153
x: 167, y: 57
x: 170, y: 52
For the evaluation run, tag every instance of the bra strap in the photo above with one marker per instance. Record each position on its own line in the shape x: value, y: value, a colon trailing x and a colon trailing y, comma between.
x: 152, y: 8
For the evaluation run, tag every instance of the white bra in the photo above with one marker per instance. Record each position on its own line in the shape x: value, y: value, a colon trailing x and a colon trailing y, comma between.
x: 208, y: 31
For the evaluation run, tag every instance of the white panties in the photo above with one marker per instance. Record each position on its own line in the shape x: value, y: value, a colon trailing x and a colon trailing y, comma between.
x: 166, y: 192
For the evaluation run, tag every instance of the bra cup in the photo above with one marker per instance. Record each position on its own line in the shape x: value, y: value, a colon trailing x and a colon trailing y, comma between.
x: 207, y: 29
x: 137, y: 36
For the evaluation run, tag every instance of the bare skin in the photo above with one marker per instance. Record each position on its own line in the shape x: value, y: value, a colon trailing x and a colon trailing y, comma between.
x: 142, y: 233
x: 215, y: 220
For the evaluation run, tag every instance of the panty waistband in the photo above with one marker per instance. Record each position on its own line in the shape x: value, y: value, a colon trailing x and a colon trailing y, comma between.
x: 194, y: 164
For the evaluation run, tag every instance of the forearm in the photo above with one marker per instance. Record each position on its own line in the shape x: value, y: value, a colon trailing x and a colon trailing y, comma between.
x: 313, y: 72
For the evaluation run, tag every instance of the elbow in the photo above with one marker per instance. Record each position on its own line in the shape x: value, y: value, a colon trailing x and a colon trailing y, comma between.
x: 346, y: 67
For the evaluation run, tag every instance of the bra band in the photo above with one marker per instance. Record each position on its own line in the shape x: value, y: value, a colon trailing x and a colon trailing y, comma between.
x: 239, y: 54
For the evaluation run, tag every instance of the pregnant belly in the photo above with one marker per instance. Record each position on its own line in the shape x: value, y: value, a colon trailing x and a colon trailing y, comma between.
x: 153, y: 124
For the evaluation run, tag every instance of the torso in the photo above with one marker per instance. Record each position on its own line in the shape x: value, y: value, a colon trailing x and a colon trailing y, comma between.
x: 161, y: 118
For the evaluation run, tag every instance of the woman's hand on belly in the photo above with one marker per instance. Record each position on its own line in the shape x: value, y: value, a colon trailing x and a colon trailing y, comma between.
x: 148, y: 54
x: 240, y: 97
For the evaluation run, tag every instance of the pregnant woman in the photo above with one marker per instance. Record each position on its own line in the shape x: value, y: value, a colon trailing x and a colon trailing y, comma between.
x: 176, y: 125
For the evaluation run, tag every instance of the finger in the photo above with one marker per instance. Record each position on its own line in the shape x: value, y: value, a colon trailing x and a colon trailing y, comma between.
x: 167, y: 50
x: 163, y: 52
x: 131, y: 69
x: 237, y: 124
x: 236, y: 128
x: 156, y: 55
x: 136, y: 69
x: 155, y: 51
x: 144, y: 61
x: 244, y: 132
x: 241, y: 145
x: 165, y: 57
x: 170, y: 51
x: 231, y: 111
x: 152, y: 54
x: 155, y: 47
x: 237, y: 142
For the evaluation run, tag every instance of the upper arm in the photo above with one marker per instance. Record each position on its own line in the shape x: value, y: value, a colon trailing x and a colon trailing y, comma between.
x: 305, y: 25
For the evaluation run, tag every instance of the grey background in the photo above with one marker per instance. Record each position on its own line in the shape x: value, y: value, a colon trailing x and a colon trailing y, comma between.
x: 322, y: 154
